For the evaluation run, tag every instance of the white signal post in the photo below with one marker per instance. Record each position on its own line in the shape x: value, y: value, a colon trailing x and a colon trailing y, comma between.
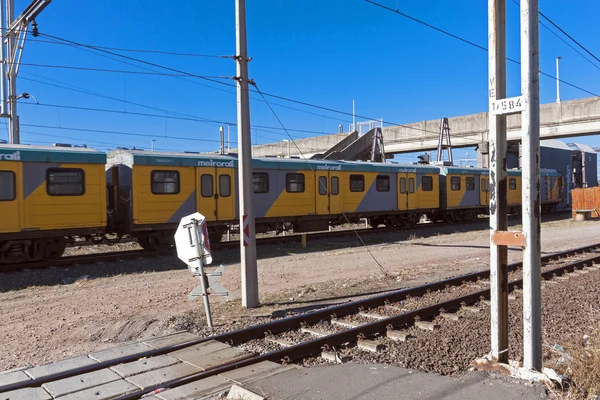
x: 530, y: 126
x: 246, y: 211
x: 528, y: 104
x: 497, y: 182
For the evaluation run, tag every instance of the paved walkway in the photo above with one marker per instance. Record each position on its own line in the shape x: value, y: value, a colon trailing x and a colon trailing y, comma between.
x: 375, y: 381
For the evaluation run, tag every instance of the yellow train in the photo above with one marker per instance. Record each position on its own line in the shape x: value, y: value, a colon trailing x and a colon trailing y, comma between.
x: 49, y: 195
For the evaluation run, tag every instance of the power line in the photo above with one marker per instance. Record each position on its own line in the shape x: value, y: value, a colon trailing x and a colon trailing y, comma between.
x: 569, y: 36
x: 472, y: 44
x: 185, y: 117
x: 562, y: 40
x: 120, y: 71
x: 225, y: 83
x: 195, y: 139
x: 170, y: 53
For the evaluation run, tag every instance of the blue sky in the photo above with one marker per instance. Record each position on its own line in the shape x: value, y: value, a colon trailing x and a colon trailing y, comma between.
x: 322, y: 52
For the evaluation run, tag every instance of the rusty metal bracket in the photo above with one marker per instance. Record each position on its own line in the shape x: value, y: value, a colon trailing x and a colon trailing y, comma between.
x: 509, y: 238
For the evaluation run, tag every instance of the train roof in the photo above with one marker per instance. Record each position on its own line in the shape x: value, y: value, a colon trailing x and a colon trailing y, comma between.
x: 140, y: 157
x: 51, y: 154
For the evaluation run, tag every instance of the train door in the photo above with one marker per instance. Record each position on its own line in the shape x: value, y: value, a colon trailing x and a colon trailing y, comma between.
x: 322, y: 192
x: 335, y: 201
x: 411, y: 200
x: 407, y: 191
x: 9, y: 196
x: 484, y: 191
x: 206, y: 193
x: 225, y: 194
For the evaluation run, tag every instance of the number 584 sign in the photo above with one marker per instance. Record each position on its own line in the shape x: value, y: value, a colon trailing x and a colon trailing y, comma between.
x: 511, y: 105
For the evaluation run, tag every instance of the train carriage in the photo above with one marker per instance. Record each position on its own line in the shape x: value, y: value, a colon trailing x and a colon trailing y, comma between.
x: 47, y: 196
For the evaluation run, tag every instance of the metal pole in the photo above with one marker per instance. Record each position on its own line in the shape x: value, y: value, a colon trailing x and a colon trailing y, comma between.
x: 246, y: 212
x: 221, y: 140
x: 530, y: 117
x: 203, y: 280
x: 228, y: 137
x: 3, y: 82
x: 557, y: 81
x: 12, y: 75
x: 153, y: 140
x: 353, y: 116
x: 497, y: 182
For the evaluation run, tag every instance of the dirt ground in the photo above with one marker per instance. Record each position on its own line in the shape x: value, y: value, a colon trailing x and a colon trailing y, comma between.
x: 57, y: 313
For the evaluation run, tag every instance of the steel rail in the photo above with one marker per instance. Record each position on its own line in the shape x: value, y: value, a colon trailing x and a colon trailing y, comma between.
x: 295, y: 322
x: 306, y: 349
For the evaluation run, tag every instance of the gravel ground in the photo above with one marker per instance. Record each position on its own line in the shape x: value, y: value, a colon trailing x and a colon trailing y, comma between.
x: 570, y: 309
x: 57, y: 313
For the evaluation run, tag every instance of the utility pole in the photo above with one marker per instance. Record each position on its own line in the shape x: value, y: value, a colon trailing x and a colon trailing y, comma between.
x: 14, y: 30
x: 557, y: 80
x: 530, y: 120
x: 153, y: 140
x: 497, y: 182
x: 247, y: 230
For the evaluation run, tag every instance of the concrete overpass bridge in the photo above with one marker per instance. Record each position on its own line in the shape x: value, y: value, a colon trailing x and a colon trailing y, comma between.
x: 558, y: 120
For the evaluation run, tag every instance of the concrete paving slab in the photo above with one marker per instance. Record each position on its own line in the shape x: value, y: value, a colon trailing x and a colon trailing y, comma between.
x: 143, y: 365
x: 26, y: 394
x: 171, y: 340
x: 204, y: 387
x: 103, y: 392
x: 216, y: 359
x: 374, y: 381
x: 239, y: 393
x: 256, y: 371
x: 77, y: 383
x: 162, y: 375
x: 199, y: 350
x: 59, y: 366
x: 12, y: 378
x: 122, y: 351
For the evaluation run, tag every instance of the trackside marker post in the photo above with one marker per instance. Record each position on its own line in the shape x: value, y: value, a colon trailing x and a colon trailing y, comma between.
x: 193, y: 248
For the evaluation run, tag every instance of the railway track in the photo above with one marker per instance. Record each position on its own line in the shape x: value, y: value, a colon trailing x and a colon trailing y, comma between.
x: 305, y: 335
x: 263, y: 241
x: 135, y: 254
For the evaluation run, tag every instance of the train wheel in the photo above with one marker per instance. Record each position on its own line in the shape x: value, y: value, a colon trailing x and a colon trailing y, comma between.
x: 374, y: 222
x: 54, y: 248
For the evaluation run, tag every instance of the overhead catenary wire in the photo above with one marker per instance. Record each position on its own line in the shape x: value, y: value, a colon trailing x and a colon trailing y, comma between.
x: 152, y: 51
x: 176, y: 115
x: 473, y: 44
x: 381, y: 267
x: 560, y: 38
x: 226, y: 83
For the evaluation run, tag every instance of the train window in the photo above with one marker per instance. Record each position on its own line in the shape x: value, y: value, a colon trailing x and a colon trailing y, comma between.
x: 164, y: 182
x: 65, y: 182
x: 512, y: 183
x: 357, y: 183
x: 206, y: 185
x: 427, y: 183
x: 323, y: 185
x: 383, y: 183
x: 224, y: 185
x: 294, y: 183
x: 402, y: 185
x: 470, y: 183
x: 7, y: 186
x: 483, y: 185
x: 455, y: 183
x: 335, y: 185
x: 260, y: 182
x: 411, y: 185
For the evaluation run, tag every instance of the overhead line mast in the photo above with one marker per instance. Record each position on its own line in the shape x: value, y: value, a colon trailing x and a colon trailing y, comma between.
x: 14, y: 33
